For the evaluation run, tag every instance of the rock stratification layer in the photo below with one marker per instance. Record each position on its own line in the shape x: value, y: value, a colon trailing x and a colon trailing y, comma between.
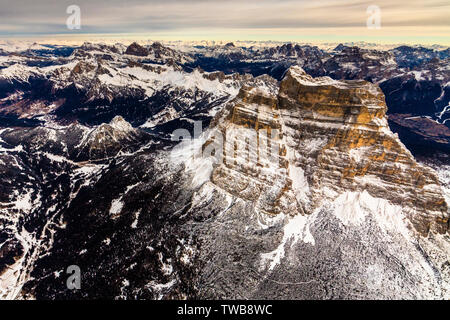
x: 255, y: 165
x: 330, y: 137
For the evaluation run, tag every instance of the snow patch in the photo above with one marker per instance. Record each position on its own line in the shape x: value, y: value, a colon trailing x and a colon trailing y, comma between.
x: 136, y: 219
x: 352, y: 209
x: 116, y: 207
x: 296, y: 229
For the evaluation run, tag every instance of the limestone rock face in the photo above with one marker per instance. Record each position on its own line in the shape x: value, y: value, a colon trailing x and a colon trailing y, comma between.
x: 255, y: 166
x: 295, y: 148
x: 358, y: 150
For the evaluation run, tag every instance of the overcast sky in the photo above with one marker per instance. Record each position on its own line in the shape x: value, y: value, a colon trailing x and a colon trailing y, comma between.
x: 424, y: 21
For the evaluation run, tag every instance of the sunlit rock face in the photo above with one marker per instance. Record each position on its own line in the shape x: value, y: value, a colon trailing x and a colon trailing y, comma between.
x: 324, y: 138
x: 358, y: 151
x: 337, y: 209
x: 255, y: 165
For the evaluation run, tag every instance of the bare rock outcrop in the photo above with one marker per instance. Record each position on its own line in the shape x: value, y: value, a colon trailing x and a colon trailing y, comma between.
x: 295, y: 148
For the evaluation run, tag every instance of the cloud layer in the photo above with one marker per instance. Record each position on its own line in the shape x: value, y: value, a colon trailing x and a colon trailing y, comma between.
x: 259, y: 19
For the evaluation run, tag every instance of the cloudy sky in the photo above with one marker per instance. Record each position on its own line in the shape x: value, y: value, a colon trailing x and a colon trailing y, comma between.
x: 408, y: 21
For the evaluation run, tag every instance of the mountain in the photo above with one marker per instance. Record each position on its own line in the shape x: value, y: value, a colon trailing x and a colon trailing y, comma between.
x: 273, y: 61
x: 410, y: 57
x: 419, y: 106
x: 302, y: 222
x: 98, y: 82
x: 355, y: 63
x: 412, y: 78
x: 286, y: 187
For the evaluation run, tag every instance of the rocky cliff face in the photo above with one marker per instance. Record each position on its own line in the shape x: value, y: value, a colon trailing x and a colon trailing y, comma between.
x: 314, y: 198
x: 255, y: 165
x: 357, y: 151
x: 331, y: 137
